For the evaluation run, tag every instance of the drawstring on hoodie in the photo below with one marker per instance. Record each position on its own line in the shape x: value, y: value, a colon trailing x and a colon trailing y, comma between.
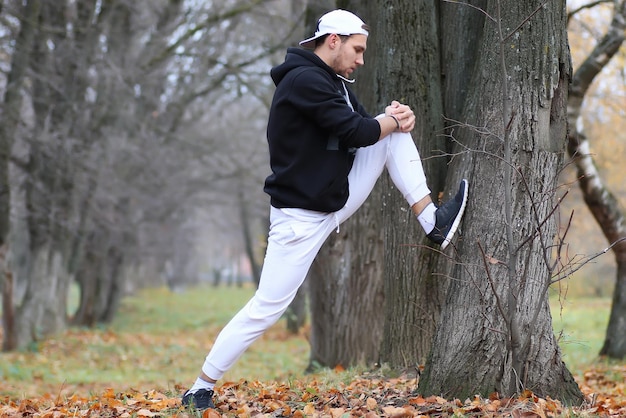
x: 346, y: 95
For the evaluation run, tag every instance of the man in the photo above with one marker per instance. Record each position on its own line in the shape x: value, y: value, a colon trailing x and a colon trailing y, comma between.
x: 326, y: 153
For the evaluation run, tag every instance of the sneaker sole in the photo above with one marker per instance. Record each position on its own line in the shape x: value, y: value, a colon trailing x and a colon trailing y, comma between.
x: 457, y: 220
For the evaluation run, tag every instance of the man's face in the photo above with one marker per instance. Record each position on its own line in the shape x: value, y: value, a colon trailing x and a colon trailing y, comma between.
x: 349, y: 55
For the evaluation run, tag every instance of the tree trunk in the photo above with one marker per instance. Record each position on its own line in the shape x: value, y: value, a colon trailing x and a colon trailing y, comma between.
x: 101, y: 274
x: 100, y: 285
x: 346, y: 293
x: 87, y: 280
x: 346, y: 280
x: 46, y: 179
x: 297, y: 310
x: 249, y: 238
x: 603, y: 205
x: 615, y: 340
x: 8, y: 129
x: 414, y: 295
x: 38, y: 311
x: 495, y: 332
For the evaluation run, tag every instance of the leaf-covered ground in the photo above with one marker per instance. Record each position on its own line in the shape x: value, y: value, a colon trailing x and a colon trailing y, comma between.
x: 364, y: 396
x: 140, y: 364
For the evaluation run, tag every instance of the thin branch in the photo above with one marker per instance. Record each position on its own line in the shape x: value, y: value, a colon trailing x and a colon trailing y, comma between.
x: 538, y: 229
x: 560, y: 245
x: 587, y: 261
x: 473, y: 7
x: 213, y: 19
x: 586, y: 6
x: 492, y: 284
x: 541, y: 6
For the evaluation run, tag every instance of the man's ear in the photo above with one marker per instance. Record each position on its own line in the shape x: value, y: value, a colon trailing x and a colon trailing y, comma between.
x: 333, y: 40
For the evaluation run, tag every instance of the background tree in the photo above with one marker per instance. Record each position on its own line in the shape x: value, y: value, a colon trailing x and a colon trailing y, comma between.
x: 346, y: 281
x: 603, y: 204
x: 413, y: 289
x: 9, y: 124
x: 384, y: 303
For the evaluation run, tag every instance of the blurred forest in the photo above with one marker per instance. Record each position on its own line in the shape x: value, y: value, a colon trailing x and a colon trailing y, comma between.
x: 133, y: 148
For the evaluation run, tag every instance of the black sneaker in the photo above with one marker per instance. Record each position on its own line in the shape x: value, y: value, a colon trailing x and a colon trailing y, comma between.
x: 200, y: 400
x: 448, y: 216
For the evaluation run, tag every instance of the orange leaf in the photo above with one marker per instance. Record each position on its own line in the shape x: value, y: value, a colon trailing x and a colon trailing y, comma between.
x: 371, y: 403
x: 396, y: 412
x: 417, y: 401
x: 337, y: 412
x: 211, y: 413
x: 109, y: 393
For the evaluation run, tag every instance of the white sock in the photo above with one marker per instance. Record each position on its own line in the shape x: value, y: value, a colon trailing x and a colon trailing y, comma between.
x: 427, y: 218
x: 201, y: 384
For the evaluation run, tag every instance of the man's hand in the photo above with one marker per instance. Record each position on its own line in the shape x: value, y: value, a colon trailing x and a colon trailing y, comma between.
x: 403, y: 114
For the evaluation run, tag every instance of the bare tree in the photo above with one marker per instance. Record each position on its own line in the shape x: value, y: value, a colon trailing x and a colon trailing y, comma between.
x: 384, y: 304
x: 346, y: 280
x: 108, y: 108
x: 12, y: 106
x: 603, y: 205
x: 414, y: 291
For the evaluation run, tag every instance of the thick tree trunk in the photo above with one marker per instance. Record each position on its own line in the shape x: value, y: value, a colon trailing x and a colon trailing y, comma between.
x: 603, y: 205
x: 346, y: 281
x: 88, y: 281
x: 411, y: 73
x: 346, y: 293
x: 39, y: 231
x: 495, y: 332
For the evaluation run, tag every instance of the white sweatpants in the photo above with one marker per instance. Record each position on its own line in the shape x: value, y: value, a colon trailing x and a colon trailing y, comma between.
x: 295, y: 237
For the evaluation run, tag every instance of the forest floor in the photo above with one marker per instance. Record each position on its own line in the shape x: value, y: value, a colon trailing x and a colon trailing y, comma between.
x: 139, y: 365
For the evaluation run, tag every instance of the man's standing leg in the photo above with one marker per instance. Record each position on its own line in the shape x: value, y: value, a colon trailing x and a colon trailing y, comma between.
x: 295, y: 238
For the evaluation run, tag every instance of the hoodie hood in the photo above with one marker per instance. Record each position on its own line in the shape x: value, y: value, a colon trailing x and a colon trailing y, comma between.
x: 297, y: 58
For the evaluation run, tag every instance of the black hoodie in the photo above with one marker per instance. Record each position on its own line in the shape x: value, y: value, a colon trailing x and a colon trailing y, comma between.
x: 312, y: 134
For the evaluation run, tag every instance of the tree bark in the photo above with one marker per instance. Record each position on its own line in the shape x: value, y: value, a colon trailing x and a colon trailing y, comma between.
x: 495, y: 332
x: 8, y: 130
x: 603, y: 205
x: 411, y: 73
x: 346, y: 293
x: 41, y: 232
x: 346, y: 280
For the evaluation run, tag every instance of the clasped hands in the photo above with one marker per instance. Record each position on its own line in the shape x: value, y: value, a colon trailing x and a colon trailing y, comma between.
x: 403, y: 114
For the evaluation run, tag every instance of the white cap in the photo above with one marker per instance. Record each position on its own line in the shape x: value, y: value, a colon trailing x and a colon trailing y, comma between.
x: 341, y: 22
